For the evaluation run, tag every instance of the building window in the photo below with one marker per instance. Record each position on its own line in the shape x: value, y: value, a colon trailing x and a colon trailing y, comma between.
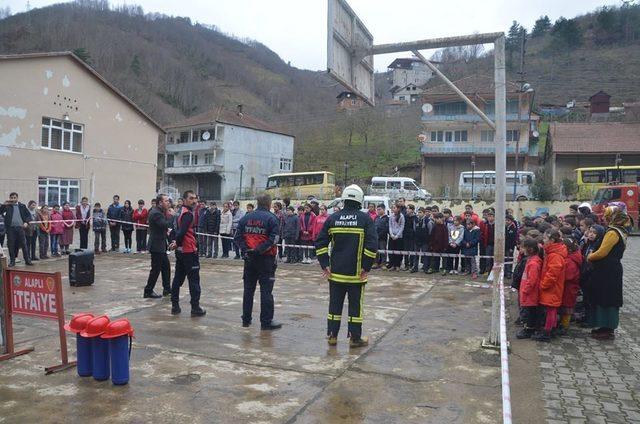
x: 512, y: 107
x: 513, y: 135
x: 448, y: 136
x: 401, y: 98
x: 195, y: 135
x: 170, y: 161
x: 219, y: 132
x: 62, y: 135
x: 285, y: 164
x: 194, y: 160
x: 52, y: 191
x: 460, y: 136
x: 185, y: 160
x: 437, y: 135
x: 487, y: 135
x: 453, y: 108
x: 208, y: 158
x: 184, y: 137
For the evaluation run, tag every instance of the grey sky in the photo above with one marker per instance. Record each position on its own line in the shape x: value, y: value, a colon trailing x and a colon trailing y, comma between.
x: 296, y: 29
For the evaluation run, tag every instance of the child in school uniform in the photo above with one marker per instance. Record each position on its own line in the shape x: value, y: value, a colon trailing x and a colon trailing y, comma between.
x: 530, y: 288
x: 551, y: 283
x: 470, y: 242
x: 57, y: 228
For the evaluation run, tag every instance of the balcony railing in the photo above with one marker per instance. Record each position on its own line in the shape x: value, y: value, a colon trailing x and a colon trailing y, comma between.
x: 464, y: 148
x: 193, y: 169
x: 194, y: 145
x: 470, y: 117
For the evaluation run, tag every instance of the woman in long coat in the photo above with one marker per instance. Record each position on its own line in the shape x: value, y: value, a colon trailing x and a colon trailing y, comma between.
x: 606, y: 279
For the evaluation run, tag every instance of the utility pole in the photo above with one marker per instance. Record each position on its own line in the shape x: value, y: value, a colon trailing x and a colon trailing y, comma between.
x: 240, y: 190
x: 473, y: 176
x: 522, y: 81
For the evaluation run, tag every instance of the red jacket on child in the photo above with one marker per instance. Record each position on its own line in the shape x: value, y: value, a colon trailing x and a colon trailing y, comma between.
x: 552, y: 280
x: 573, y: 265
x: 530, y: 283
x: 141, y: 217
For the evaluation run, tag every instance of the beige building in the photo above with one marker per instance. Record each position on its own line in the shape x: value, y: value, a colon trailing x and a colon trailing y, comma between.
x: 66, y: 132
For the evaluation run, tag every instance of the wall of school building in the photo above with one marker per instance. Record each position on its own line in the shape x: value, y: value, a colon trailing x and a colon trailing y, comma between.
x: 564, y: 165
x: 119, y: 145
x: 440, y: 173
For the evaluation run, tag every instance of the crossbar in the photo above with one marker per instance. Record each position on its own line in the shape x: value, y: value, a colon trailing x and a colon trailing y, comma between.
x: 436, y: 43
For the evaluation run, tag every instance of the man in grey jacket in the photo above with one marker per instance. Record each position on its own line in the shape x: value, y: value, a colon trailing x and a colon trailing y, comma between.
x: 16, y: 221
x: 238, y: 214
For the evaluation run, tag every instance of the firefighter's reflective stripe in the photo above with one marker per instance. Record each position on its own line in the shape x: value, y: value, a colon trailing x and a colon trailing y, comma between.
x: 341, y: 278
x: 369, y: 253
x: 334, y: 317
x: 346, y: 230
x: 322, y: 251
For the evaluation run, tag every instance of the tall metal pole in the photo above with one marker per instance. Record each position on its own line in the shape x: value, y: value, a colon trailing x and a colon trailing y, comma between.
x: 240, y: 189
x: 473, y: 176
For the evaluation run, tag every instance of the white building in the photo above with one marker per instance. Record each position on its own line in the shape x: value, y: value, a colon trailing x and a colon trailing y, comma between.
x: 210, y: 153
x: 408, y: 76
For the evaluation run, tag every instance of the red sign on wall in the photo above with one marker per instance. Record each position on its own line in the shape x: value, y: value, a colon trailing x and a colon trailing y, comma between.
x: 34, y: 293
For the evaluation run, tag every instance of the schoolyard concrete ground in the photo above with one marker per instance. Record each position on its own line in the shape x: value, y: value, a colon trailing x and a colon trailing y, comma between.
x: 424, y: 364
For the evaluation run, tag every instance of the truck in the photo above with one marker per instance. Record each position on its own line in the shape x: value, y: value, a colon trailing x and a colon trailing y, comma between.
x: 627, y: 194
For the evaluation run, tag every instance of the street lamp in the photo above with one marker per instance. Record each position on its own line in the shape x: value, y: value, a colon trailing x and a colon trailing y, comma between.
x: 240, y: 191
x: 473, y: 176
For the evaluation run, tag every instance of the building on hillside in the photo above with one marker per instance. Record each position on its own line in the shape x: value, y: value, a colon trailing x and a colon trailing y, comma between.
x: 631, y: 111
x: 66, y: 132
x: 407, y: 71
x: 579, y: 145
x: 408, y: 94
x: 212, y: 152
x: 349, y: 101
x: 455, y: 134
x: 599, y: 105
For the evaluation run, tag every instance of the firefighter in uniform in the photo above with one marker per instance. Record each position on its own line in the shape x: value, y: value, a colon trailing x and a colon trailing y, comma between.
x: 257, y: 239
x: 354, y: 243
x: 187, y: 262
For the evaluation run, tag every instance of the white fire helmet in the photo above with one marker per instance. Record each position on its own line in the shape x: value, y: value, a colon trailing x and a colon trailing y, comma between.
x: 354, y: 193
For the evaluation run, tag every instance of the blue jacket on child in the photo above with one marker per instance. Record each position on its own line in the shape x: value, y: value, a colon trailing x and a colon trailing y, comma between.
x: 473, y: 238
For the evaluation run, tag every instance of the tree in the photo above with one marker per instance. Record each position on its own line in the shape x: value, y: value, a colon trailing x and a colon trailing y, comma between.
x: 566, y: 35
x: 542, y: 187
x: 606, y: 26
x: 514, y: 39
x: 135, y: 65
x: 541, y: 27
x: 83, y: 54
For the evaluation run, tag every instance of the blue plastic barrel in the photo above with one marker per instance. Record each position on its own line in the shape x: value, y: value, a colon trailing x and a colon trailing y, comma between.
x: 85, y: 360
x: 100, y: 355
x: 119, y: 355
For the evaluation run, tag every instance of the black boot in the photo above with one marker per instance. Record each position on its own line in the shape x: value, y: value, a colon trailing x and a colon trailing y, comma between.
x: 198, y: 311
x: 175, y: 308
x: 542, y: 336
x: 152, y: 295
x: 525, y: 333
x: 273, y: 325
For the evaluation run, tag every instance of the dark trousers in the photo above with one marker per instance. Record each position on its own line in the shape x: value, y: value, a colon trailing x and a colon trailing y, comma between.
x: 452, y: 263
x: 97, y: 242
x: 226, y: 245
x: 16, y: 240
x: 84, y: 236
x: 529, y: 315
x: 115, y: 236
x: 43, y: 242
x: 483, y: 261
x: 211, y: 245
x: 127, y: 238
x: 293, y: 253
x: 394, y: 259
x: 159, y: 264
x: 489, y: 262
x: 187, y: 266
x: 382, y: 245
x: 417, y: 259
x: 141, y: 239
x: 32, y: 241
x: 259, y: 269
x: 434, y: 262
x: 409, y: 245
x: 236, y: 248
x: 337, y: 293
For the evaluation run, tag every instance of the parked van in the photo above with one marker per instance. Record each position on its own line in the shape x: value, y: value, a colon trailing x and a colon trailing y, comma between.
x: 396, y: 187
x: 368, y: 200
x: 483, y: 184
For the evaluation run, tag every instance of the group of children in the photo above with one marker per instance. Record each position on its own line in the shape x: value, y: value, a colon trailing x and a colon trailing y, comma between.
x: 452, y: 243
x: 551, y: 269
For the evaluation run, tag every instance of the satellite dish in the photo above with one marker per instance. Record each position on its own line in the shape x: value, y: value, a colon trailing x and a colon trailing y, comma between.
x: 535, y: 134
x: 427, y: 108
x: 206, y: 135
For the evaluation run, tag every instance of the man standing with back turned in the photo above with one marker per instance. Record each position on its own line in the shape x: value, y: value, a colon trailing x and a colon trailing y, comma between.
x: 160, y: 218
x: 187, y: 261
x: 354, y: 242
x: 257, y: 239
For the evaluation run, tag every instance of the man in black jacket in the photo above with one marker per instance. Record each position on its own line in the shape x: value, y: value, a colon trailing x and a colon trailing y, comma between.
x: 160, y: 218
x: 16, y: 221
x: 212, y: 228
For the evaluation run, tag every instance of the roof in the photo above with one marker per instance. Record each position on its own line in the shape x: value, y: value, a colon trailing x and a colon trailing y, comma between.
x: 397, y: 88
x: 300, y: 173
x: 89, y: 69
x: 474, y: 84
x: 600, y: 137
x: 600, y: 94
x: 404, y: 63
x: 225, y: 116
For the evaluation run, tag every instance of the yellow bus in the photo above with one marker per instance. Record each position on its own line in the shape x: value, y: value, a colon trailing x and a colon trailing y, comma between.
x: 302, y: 185
x: 593, y: 178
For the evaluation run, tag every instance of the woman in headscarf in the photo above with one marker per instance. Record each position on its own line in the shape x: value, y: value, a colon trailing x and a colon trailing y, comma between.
x: 606, y: 278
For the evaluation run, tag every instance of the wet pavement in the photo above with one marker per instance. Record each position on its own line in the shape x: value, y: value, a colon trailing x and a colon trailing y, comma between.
x: 424, y: 364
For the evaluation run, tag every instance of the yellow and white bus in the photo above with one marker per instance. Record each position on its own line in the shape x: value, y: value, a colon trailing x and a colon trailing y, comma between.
x: 302, y: 185
x: 591, y: 179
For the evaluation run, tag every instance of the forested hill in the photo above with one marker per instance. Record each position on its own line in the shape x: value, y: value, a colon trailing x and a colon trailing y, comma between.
x: 170, y: 66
